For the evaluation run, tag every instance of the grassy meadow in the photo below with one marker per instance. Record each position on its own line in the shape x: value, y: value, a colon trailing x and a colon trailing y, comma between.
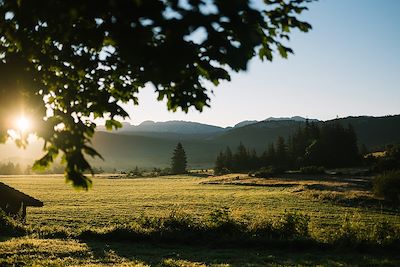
x: 115, y: 202
x: 121, y: 200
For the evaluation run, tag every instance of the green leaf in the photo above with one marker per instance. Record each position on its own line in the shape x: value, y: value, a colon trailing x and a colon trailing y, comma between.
x: 113, y: 123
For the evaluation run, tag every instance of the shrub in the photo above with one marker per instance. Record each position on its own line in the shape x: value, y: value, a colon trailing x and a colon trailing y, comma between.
x: 268, y: 172
x: 221, y: 171
x: 312, y: 170
x: 9, y: 226
x: 384, y: 233
x: 165, y: 171
x: 294, y: 226
x: 386, y: 164
x: 220, y: 220
x: 387, y: 185
x: 176, y: 222
x: 352, y: 232
x: 389, y: 161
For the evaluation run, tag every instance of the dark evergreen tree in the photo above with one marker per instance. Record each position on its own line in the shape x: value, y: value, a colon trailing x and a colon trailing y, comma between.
x: 281, y: 152
x: 178, y: 160
x: 136, y: 171
x: 335, y: 147
x: 363, y: 150
x: 241, y: 159
x: 228, y: 164
x: 271, y: 155
x: 313, y: 132
x: 326, y: 145
x: 253, y: 160
x: 220, y: 164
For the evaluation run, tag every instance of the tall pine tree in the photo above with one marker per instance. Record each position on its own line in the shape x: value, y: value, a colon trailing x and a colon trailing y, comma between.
x: 220, y: 166
x: 178, y: 160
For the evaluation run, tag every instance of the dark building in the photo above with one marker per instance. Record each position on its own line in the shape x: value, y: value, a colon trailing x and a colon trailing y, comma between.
x: 14, y: 202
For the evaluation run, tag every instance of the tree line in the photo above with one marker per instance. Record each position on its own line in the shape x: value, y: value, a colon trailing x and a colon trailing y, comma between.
x: 10, y: 168
x: 314, y: 144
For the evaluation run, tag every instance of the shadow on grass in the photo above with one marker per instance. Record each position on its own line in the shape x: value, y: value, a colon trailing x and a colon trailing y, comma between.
x: 358, y: 200
x: 26, y: 251
x: 181, y: 255
x: 4, y: 238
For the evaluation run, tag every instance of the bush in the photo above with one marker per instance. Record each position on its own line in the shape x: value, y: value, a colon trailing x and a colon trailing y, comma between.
x: 178, y: 222
x: 9, y: 226
x: 312, y: 170
x: 385, y: 164
x: 221, y: 171
x: 294, y: 226
x: 268, y: 172
x: 384, y: 233
x: 387, y: 185
x: 390, y: 161
x: 221, y: 221
x: 354, y: 232
x: 165, y: 171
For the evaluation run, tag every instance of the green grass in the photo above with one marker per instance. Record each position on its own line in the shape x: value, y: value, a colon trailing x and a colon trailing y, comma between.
x: 121, y: 200
x: 118, y: 202
x: 57, y: 252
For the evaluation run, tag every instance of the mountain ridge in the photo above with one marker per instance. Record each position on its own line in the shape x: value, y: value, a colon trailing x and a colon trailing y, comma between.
x: 125, y: 150
x: 189, y: 127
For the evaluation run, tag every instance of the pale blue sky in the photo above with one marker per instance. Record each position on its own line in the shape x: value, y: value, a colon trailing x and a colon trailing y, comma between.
x: 349, y: 64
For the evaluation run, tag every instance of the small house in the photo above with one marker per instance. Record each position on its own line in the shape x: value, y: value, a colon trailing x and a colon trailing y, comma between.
x: 14, y: 202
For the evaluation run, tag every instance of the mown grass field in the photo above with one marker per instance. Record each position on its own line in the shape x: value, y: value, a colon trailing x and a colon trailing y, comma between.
x: 119, y: 201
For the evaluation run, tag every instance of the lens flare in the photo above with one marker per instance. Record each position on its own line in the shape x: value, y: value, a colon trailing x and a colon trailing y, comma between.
x: 23, y: 124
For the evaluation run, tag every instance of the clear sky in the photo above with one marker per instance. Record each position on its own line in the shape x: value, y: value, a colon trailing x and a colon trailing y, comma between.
x: 348, y: 65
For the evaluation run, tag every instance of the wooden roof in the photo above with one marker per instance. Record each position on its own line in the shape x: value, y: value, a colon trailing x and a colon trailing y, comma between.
x: 8, y: 193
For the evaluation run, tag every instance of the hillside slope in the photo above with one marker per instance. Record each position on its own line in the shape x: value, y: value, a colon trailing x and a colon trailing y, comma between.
x: 375, y: 132
x: 125, y: 150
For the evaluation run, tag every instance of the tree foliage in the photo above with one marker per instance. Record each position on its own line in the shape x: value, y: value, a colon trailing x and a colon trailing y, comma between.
x: 324, y: 145
x: 387, y: 185
x: 66, y: 63
x: 389, y: 161
x: 178, y: 160
x: 10, y: 169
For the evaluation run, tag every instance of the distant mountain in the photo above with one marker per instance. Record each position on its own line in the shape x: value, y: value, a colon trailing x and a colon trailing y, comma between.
x: 295, y: 118
x: 258, y: 135
x: 244, y: 123
x: 127, y: 151
x: 374, y: 132
x: 188, y: 127
x: 154, y: 149
x: 151, y: 144
x: 181, y: 127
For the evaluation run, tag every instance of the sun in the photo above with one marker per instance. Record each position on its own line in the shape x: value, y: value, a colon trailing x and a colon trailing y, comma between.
x: 23, y: 124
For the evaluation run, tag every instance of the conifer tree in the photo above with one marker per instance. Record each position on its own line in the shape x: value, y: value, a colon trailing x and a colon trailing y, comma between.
x: 241, y: 158
x: 281, y: 151
x: 228, y: 159
x: 271, y: 155
x: 219, y: 164
x: 178, y: 160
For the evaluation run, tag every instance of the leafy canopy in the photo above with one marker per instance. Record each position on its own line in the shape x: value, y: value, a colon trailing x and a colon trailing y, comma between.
x: 65, y: 63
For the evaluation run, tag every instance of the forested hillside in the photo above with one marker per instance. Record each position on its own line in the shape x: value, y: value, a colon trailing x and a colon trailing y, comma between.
x: 375, y: 132
x: 127, y: 149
